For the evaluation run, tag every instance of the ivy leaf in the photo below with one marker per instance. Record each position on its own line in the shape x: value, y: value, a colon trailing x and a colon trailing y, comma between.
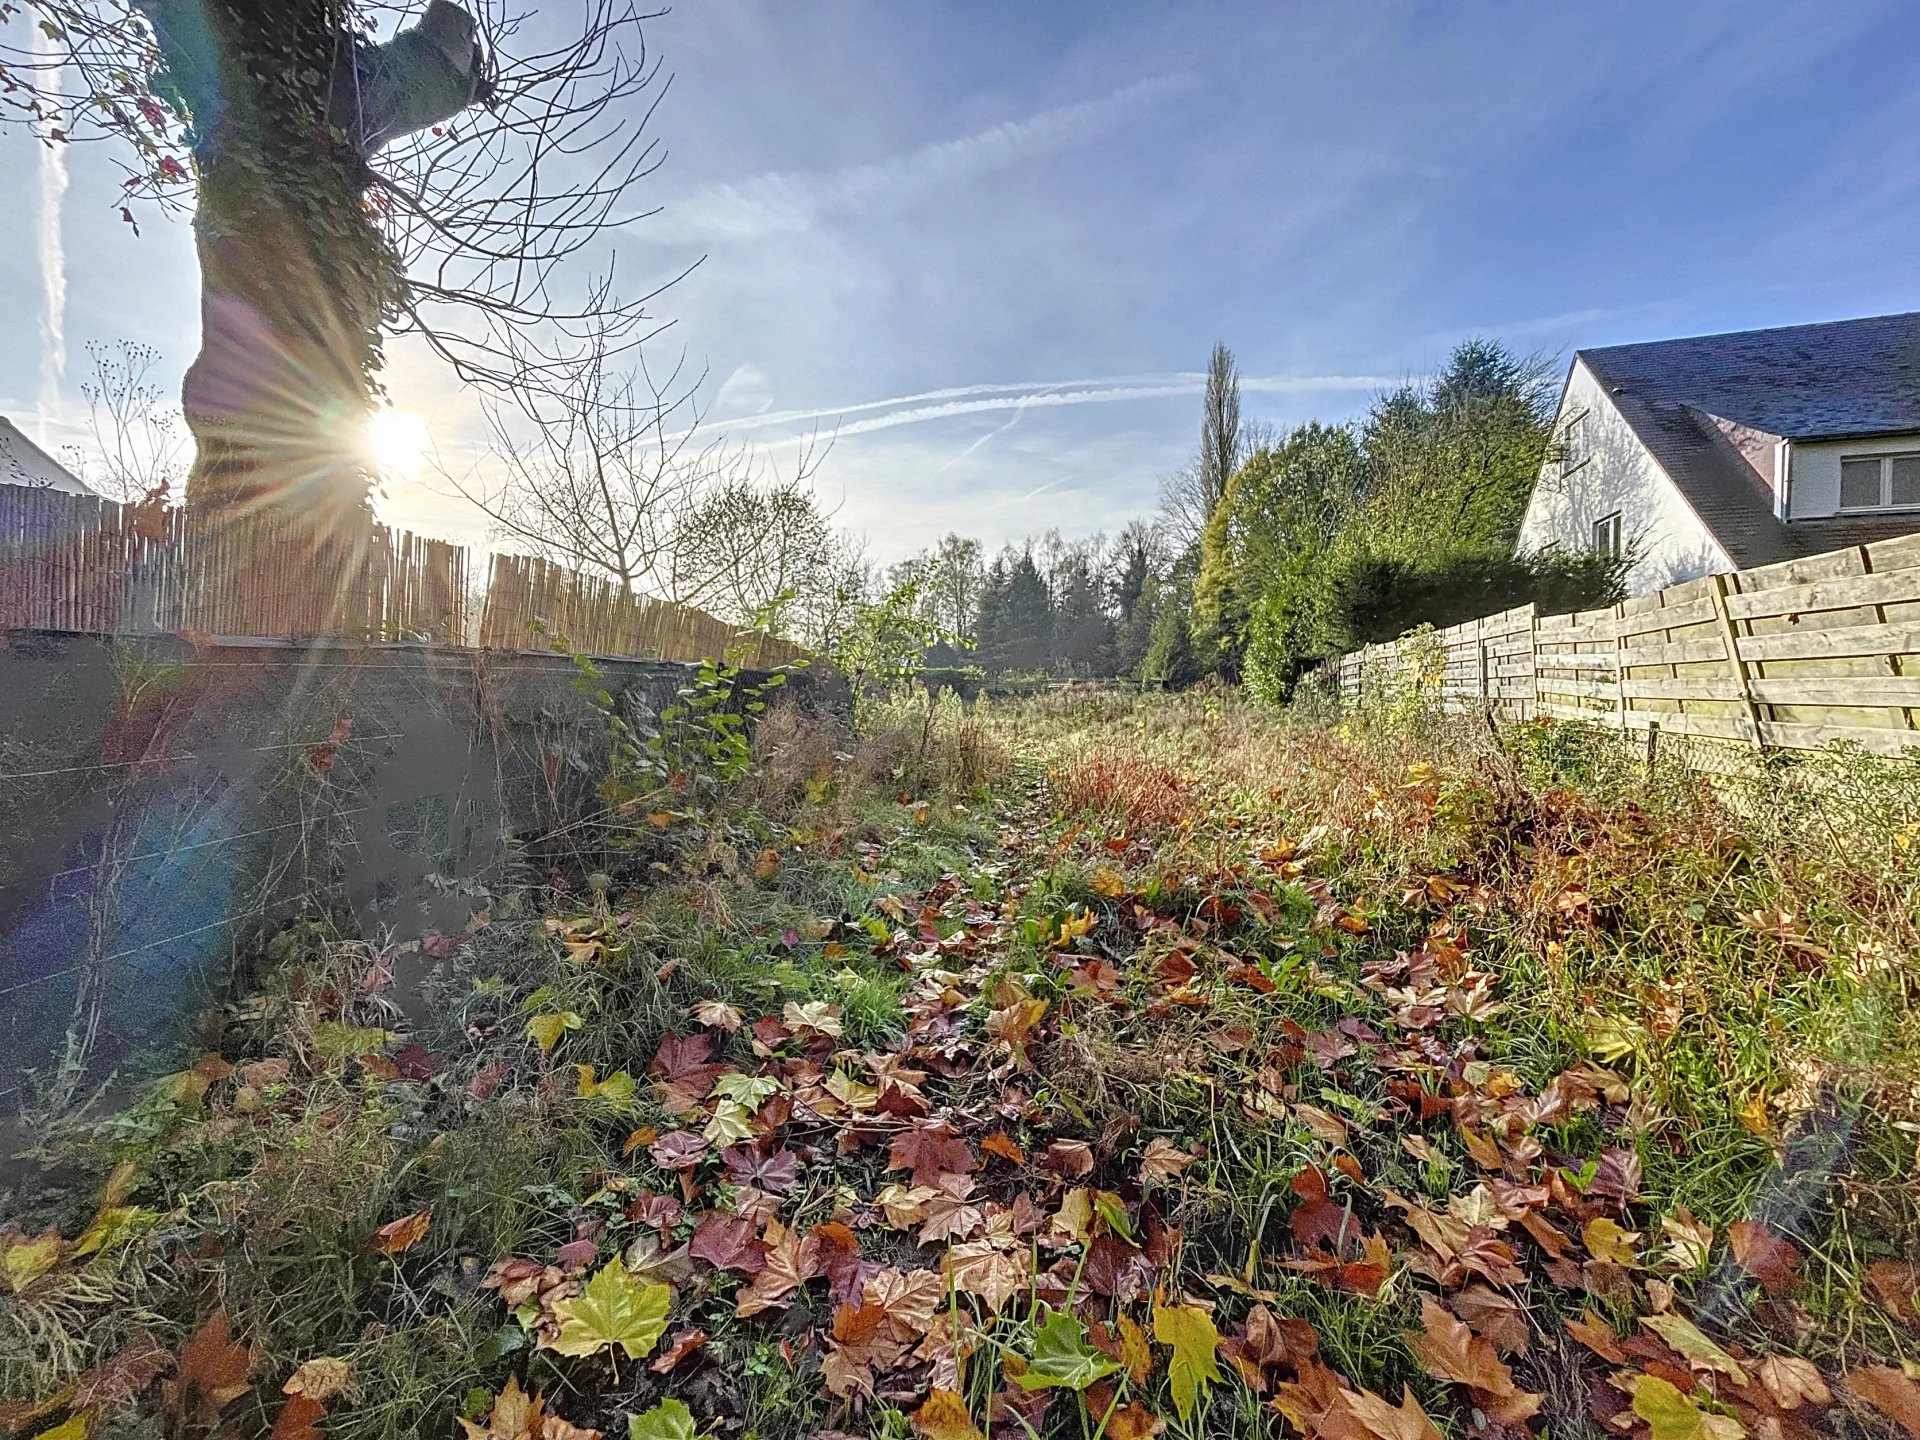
x: 1189, y: 1331
x: 669, y: 1420
x: 614, y: 1309
x: 1062, y: 1357
x: 546, y: 1030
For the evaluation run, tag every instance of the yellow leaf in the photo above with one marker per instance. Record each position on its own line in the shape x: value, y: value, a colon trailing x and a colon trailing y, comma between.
x: 24, y: 1259
x: 1668, y: 1413
x: 75, y: 1427
x: 1109, y: 882
x: 945, y: 1417
x: 1701, y: 1353
x: 613, y: 1310
x: 1607, y: 1241
x: 617, y: 1089
x: 546, y: 1030
x: 1753, y: 1115
x: 1190, y: 1332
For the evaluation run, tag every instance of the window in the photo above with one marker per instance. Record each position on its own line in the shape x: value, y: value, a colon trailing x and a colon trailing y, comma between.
x: 1573, y: 449
x: 1879, y: 482
x: 1606, y: 534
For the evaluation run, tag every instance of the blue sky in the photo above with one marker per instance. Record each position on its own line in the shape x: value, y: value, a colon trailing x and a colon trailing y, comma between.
x: 996, y: 240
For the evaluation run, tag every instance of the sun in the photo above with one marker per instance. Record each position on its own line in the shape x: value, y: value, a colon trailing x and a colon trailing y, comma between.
x: 399, y: 443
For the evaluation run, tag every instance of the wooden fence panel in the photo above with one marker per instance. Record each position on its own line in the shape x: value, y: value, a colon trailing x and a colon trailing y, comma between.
x: 81, y: 563
x: 1798, y: 655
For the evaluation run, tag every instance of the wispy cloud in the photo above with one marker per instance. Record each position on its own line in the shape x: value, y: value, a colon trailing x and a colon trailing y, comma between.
x: 786, y: 202
x: 931, y: 405
x: 53, y: 265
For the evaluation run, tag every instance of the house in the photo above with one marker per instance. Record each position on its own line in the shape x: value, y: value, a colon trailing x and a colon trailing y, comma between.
x: 24, y: 463
x: 1723, y: 452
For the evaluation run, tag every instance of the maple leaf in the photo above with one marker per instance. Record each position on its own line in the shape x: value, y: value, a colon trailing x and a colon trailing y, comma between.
x: 786, y: 1270
x: 908, y: 1299
x: 1407, y: 1421
x: 617, y: 1089
x: 1793, y: 1381
x: 1594, y: 1333
x: 730, y: 1121
x: 1892, y: 1392
x: 1605, y: 1240
x: 212, y: 1374
x: 1069, y: 1159
x: 400, y: 1235
x: 775, y: 1171
x: 1015, y: 1023
x: 718, y: 1015
x: 546, y: 1030
x: 1062, y: 1357
x: 929, y: 1150
x: 727, y: 1242
x: 685, y: 1070
x: 515, y: 1415
x: 820, y: 1016
x: 902, y: 1206
x: 1688, y: 1239
x: 1163, y: 1160
x: 678, y: 1150
x: 858, y: 1343
x: 978, y: 1267
x: 950, y: 1215
x: 296, y: 1420
x: 945, y: 1416
x: 24, y: 1259
x: 1190, y: 1332
x: 1672, y: 1415
x: 1774, y: 1262
x: 1451, y: 1351
x: 613, y: 1310
x: 669, y: 1420
x: 320, y: 1378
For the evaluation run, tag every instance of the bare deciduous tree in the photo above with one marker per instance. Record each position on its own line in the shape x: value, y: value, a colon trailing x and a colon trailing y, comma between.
x: 139, y: 443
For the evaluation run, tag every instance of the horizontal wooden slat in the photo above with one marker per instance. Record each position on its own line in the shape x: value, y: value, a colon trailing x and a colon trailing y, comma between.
x: 1853, y: 692
x: 1892, y: 588
x: 1699, y: 687
x: 1832, y: 644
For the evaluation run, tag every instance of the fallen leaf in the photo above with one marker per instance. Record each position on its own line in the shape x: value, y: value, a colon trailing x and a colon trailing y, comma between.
x: 1062, y: 1356
x: 613, y: 1310
x: 1792, y: 1381
x: 1892, y: 1392
x: 1190, y: 1332
x: 1700, y: 1351
x: 1771, y: 1260
x: 669, y: 1420
x: 400, y: 1235
x: 945, y: 1416
x: 212, y: 1374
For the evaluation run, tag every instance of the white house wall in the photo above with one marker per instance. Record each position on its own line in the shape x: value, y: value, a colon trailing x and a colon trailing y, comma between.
x: 1608, y: 470
x: 1814, y: 489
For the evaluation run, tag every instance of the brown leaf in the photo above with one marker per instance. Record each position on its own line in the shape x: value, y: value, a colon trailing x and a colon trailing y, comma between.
x: 1407, y: 1422
x: 127, y: 1374
x: 400, y: 1235
x: 945, y: 1417
x: 320, y: 1379
x: 211, y: 1376
x: 1771, y: 1260
x: 1495, y: 1316
x: 1897, y: 1287
x: 296, y: 1419
x: 1002, y: 1144
x: 728, y: 1242
x: 1598, y: 1336
x: 1889, y: 1391
x: 682, y: 1344
x: 1451, y: 1351
x: 930, y: 1149
x: 979, y: 1268
x: 1792, y: 1381
x: 1069, y: 1159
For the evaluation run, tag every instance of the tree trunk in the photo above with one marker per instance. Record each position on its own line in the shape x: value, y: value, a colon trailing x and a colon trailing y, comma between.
x: 294, y: 276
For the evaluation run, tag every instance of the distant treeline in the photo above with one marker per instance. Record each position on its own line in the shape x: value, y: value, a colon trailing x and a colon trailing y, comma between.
x: 1274, y: 550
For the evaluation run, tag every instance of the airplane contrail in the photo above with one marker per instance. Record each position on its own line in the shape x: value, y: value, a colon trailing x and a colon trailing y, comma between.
x: 53, y: 264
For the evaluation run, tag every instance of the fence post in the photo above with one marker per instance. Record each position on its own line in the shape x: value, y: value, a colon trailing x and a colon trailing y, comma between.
x: 1730, y: 637
x: 1619, y: 669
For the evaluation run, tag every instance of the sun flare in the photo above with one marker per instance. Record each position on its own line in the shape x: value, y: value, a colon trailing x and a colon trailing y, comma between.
x: 399, y: 442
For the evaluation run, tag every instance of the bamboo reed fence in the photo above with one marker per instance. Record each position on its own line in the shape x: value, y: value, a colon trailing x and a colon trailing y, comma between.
x: 1793, y: 656
x: 85, y: 564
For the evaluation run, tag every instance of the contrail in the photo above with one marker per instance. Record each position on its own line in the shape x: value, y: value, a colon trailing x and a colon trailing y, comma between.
x: 997, y: 430
x: 53, y: 261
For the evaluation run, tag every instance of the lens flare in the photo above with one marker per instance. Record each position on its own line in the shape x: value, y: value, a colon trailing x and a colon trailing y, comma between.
x: 399, y: 442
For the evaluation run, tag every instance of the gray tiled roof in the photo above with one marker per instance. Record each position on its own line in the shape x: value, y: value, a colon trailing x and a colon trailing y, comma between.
x: 1840, y: 379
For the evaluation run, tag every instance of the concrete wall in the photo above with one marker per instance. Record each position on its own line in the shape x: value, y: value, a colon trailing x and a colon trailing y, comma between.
x: 1606, y: 469
x: 162, y: 806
